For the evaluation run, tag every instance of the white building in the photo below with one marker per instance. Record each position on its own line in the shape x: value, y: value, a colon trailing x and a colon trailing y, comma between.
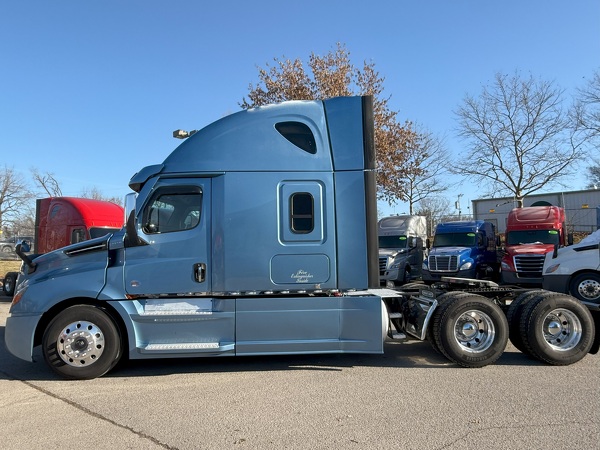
x: 582, y: 208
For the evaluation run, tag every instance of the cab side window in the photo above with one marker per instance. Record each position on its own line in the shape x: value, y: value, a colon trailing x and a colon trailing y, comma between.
x: 173, y: 209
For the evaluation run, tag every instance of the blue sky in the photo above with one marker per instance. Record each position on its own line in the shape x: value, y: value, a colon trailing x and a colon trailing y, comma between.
x: 91, y: 91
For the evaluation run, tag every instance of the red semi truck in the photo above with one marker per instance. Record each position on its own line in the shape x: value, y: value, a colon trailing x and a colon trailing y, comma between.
x: 62, y: 221
x: 531, y: 232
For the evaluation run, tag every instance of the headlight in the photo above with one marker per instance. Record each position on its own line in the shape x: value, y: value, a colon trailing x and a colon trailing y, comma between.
x: 466, y: 265
x: 395, y: 266
x: 425, y: 266
x: 552, y: 268
x: 18, y: 295
x: 505, y: 266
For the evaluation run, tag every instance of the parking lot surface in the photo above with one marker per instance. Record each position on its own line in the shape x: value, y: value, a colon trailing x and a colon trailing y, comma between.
x: 408, y: 398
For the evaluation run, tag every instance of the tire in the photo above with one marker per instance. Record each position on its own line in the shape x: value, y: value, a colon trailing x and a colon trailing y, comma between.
x: 470, y: 330
x: 586, y: 287
x: 10, y: 281
x: 406, y: 276
x: 557, y: 329
x: 412, y: 286
x: 513, y: 316
x: 441, y: 299
x: 81, y: 342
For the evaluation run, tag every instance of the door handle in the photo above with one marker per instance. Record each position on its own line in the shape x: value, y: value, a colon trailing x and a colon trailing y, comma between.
x: 200, y: 272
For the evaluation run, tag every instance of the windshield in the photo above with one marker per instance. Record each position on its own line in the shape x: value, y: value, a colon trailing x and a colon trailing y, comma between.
x: 455, y: 240
x: 532, y: 237
x: 99, y: 232
x: 393, y: 242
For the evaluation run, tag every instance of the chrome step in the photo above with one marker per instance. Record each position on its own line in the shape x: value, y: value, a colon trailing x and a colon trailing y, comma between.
x: 186, y: 347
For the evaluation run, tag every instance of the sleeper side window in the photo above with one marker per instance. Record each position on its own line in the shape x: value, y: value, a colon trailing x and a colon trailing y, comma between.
x: 302, y: 212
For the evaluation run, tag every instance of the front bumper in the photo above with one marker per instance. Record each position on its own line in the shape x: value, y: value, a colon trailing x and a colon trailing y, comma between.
x: 556, y: 283
x: 512, y: 278
x: 395, y: 275
x: 437, y: 276
x: 19, y: 335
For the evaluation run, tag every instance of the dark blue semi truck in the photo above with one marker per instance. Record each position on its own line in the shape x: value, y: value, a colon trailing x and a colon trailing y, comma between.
x: 257, y: 235
x: 463, y: 249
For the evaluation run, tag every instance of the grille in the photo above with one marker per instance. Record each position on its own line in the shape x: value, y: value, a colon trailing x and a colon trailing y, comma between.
x: 529, y: 266
x: 382, y: 264
x: 443, y: 263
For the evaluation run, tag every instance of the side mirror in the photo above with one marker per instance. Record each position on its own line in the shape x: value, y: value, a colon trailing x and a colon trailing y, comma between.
x: 25, y: 246
x: 20, y: 250
x: 570, y: 239
x: 427, y: 243
x: 131, y: 237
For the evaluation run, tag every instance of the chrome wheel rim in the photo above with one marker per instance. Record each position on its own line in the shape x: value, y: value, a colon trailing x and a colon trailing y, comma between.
x: 562, y: 329
x: 474, y: 331
x: 589, y: 289
x: 80, y: 344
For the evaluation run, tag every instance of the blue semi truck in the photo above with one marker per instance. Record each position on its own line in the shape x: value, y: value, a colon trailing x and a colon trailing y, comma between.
x: 258, y: 235
x: 464, y: 249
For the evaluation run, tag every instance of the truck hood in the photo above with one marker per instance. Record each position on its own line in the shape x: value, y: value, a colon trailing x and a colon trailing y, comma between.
x: 87, y: 256
x: 74, y: 250
x: 529, y: 249
x: 449, y: 251
x: 391, y: 252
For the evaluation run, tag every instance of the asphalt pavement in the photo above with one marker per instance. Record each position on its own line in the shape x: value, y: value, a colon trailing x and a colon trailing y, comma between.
x: 408, y: 398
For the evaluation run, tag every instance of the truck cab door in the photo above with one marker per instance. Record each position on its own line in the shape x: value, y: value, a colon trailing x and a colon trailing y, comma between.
x: 173, y: 224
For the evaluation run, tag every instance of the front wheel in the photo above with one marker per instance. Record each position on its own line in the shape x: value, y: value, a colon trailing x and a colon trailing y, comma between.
x: 557, y: 329
x: 81, y: 342
x: 586, y: 287
x: 10, y: 281
x: 470, y: 330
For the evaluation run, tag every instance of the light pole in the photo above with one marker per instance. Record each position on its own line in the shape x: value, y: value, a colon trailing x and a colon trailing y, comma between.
x: 457, y: 205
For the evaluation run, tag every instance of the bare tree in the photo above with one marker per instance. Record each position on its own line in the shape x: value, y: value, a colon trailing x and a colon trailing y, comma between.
x: 586, y: 117
x: 47, y: 182
x: 15, y: 196
x: 594, y: 176
x: 334, y: 75
x: 434, y: 208
x: 517, y: 137
x: 426, y: 163
x: 95, y: 194
x: 586, y: 113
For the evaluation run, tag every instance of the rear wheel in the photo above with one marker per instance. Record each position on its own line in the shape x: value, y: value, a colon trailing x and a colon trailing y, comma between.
x: 557, y: 329
x: 586, y: 287
x: 470, y: 330
x: 513, y: 316
x: 81, y: 342
x: 441, y: 300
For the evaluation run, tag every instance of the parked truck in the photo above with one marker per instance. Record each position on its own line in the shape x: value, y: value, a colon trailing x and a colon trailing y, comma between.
x: 531, y: 233
x: 464, y: 249
x: 575, y: 270
x: 7, y: 245
x: 402, y: 241
x: 258, y: 235
x: 61, y: 221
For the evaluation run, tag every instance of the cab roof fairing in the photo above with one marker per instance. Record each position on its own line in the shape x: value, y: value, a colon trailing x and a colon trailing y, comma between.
x: 247, y: 141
